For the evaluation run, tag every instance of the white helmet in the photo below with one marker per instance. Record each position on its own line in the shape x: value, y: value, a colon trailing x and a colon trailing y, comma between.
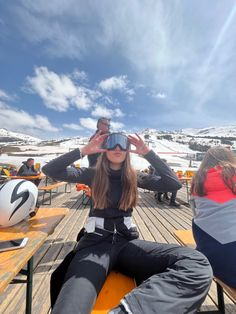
x: 17, y: 201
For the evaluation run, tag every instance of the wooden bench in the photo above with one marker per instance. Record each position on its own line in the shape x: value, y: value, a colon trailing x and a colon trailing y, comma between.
x: 114, y: 289
x: 49, y: 189
x: 185, y: 238
x: 37, y: 230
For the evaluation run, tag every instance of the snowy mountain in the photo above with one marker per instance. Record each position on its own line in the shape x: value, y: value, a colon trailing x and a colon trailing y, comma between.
x: 224, y: 131
x: 10, y: 137
x: 217, y: 131
x: 194, y: 139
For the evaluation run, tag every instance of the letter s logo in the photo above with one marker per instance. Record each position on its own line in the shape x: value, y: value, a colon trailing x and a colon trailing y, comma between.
x: 24, y: 195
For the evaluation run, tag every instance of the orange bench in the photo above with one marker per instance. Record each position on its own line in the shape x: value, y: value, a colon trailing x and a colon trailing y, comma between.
x: 49, y: 189
x: 185, y: 238
x: 114, y: 289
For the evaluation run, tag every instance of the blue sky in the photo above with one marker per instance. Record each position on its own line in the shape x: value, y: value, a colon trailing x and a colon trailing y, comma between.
x: 147, y: 64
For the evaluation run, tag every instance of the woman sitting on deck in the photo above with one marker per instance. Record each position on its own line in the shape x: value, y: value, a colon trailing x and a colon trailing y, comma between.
x: 172, y: 279
x: 214, y: 205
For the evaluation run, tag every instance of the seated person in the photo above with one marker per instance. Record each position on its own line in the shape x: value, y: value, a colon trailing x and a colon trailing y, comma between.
x: 213, y: 200
x: 160, y: 195
x: 164, y: 195
x: 13, y: 171
x: 27, y: 169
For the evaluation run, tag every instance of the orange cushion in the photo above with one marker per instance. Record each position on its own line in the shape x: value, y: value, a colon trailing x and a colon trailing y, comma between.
x: 114, y: 289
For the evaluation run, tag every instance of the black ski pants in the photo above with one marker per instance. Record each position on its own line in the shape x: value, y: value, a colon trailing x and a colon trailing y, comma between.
x: 173, y: 279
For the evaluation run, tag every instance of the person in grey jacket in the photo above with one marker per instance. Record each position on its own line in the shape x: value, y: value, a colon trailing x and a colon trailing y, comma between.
x: 171, y: 279
x: 27, y: 169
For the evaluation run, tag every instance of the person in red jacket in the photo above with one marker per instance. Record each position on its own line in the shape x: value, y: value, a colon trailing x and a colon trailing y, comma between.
x: 213, y: 200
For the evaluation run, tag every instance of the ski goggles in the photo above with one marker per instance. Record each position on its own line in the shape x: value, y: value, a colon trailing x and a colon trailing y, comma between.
x: 116, y: 139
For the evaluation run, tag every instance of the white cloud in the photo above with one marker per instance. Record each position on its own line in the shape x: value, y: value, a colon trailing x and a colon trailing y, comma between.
x: 59, y: 92
x: 118, y: 113
x: 114, y: 82
x: 79, y: 75
x: 88, y: 123
x: 91, y: 124
x: 42, y: 123
x: 72, y: 126
x: 158, y: 95
x: 64, y: 32
x: 102, y: 111
x: 19, y: 120
x: 4, y: 95
x: 119, y: 83
x: 116, y: 126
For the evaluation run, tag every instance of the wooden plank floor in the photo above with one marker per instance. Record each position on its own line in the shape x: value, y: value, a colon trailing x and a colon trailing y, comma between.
x: 156, y: 222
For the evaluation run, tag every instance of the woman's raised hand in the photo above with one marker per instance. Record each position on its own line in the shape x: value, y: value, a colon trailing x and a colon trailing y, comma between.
x: 94, y: 146
x: 141, y: 147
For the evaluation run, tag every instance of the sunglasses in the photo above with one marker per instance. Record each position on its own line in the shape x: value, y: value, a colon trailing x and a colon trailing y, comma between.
x: 116, y: 139
x: 106, y: 123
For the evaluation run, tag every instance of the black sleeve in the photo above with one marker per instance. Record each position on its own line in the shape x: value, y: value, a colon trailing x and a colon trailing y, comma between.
x: 164, y: 180
x: 59, y: 169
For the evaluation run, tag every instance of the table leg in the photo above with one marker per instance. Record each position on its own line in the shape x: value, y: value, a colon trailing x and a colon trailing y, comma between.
x: 29, y: 286
x: 220, y: 296
x: 187, y: 191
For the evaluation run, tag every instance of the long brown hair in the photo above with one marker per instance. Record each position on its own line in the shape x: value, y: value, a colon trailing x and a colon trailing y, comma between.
x: 100, y: 185
x: 216, y: 156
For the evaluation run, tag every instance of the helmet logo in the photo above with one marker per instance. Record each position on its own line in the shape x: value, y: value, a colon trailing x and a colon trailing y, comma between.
x: 24, y: 195
x: 2, y: 186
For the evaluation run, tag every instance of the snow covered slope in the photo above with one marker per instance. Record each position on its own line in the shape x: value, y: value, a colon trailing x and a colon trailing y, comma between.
x: 224, y: 131
x: 8, y: 136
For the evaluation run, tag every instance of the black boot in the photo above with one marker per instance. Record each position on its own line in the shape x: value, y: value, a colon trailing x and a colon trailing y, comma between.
x: 166, y: 196
x: 159, y: 197
x: 174, y: 204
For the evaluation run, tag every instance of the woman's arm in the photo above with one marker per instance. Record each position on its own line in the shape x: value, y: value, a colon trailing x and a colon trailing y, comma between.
x: 163, y: 180
x: 59, y: 169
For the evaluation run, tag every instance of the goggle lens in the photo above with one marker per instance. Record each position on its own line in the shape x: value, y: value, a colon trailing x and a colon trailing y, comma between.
x: 116, y: 139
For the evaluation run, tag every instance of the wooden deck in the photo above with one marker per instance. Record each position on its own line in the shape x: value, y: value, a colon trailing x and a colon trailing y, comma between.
x: 156, y: 223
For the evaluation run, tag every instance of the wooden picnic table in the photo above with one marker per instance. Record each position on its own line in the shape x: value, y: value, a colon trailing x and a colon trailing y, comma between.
x: 38, y: 176
x: 37, y: 230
